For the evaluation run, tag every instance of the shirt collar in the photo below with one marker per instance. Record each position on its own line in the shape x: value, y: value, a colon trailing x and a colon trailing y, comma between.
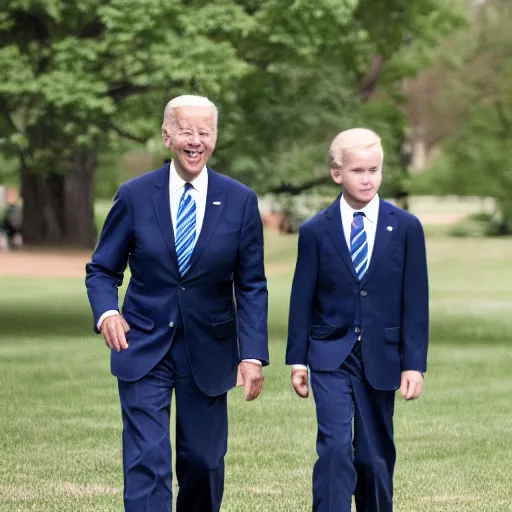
x: 176, y: 183
x: 371, y: 210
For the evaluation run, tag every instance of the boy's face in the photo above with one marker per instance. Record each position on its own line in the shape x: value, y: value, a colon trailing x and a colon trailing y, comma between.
x: 360, y: 175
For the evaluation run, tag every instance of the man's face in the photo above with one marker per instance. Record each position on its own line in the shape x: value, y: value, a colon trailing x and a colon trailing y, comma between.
x: 360, y: 175
x: 191, y: 138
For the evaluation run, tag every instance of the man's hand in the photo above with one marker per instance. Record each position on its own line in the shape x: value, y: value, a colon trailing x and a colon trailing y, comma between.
x: 300, y: 382
x: 114, y: 329
x: 251, y: 375
x: 411, y: 385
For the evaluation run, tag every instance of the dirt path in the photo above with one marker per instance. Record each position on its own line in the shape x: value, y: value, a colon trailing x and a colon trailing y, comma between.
x: 43, y: 263
x: 72, y: 264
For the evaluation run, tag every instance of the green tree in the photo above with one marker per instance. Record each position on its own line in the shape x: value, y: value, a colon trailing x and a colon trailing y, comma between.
x: 475, y: 106
x: 77, y: 76
x: 74, y: 73
x: 318, y: 68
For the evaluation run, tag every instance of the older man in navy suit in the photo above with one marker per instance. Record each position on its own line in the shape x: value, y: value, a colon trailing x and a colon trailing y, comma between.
x: 359, y: 320
x: 194, y: 314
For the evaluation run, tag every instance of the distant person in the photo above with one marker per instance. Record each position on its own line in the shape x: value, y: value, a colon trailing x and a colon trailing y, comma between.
x: 359, y: 318
x: 195, y: 311
x: 12, y: 221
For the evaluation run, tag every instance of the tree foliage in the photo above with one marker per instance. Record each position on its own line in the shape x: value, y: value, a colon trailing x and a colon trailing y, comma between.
x: 71, y: 70
x: 318, y: 68
x: 475, y: 106
x: 78, y: 76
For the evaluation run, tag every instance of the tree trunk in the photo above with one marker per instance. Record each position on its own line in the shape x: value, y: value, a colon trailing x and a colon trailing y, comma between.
x: 58, y: 209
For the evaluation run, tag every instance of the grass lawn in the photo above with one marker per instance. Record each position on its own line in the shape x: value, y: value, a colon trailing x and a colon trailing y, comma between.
x: 60, y: 420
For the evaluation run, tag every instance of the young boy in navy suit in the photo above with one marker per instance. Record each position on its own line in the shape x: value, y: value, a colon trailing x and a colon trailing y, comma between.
x: 359, y: 320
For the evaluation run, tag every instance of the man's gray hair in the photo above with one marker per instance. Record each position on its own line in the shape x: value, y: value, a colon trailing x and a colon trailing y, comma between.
x: 188, y: 100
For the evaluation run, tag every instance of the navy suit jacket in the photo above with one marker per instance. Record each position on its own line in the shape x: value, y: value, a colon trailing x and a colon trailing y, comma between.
x: 390, y: 304
x: 221, y: 302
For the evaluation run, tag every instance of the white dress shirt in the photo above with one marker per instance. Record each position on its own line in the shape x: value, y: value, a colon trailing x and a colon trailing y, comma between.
x: 371, y: 214
x: 198, y: 192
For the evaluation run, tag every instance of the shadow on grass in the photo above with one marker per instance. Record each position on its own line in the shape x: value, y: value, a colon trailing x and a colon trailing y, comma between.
x: 42, y: 322
x: 32, y: 320
x: 468, y: 330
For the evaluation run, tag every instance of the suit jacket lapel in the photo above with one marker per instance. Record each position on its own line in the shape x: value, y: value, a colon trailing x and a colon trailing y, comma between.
x: 214, y: 194
x: 335, y: 231
x: 386, y: 224
x: 161, y: 202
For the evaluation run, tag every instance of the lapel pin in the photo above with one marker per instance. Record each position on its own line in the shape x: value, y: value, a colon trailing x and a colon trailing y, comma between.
x: 216, y: 203
x: 390, y: 228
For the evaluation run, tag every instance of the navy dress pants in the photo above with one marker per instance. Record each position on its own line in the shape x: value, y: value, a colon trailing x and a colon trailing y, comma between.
x: 358, y: 462
x: 201, y: 439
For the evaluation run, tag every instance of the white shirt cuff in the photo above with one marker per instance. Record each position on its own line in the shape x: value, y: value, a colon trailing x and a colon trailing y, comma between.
x: 256, y: 361
x: 299, y: 367
x: 111, y: 312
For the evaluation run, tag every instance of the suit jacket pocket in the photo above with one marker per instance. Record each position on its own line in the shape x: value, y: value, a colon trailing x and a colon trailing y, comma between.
x: 225, y: 329
x: 138, y: 321
x: 392, y: 334
x: 320, y: 332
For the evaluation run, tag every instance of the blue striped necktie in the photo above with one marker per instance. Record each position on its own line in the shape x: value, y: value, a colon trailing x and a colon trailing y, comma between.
x: 185, y: 229
x: 359, y: 245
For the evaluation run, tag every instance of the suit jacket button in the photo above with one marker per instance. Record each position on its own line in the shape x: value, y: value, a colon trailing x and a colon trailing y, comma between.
x: 364, y: 293
x: 357, y: 330
x: 171, y: 324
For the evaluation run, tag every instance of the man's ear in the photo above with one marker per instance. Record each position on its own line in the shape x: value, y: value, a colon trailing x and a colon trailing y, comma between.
x: 166, y: 136
x: 336, y: 175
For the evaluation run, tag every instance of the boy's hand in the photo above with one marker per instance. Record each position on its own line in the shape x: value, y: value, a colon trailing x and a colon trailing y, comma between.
x: 300, y: 382
x: 411, y: 385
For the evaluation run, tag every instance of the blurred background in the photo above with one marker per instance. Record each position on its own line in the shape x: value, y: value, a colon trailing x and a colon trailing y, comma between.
x: 83, y: 85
